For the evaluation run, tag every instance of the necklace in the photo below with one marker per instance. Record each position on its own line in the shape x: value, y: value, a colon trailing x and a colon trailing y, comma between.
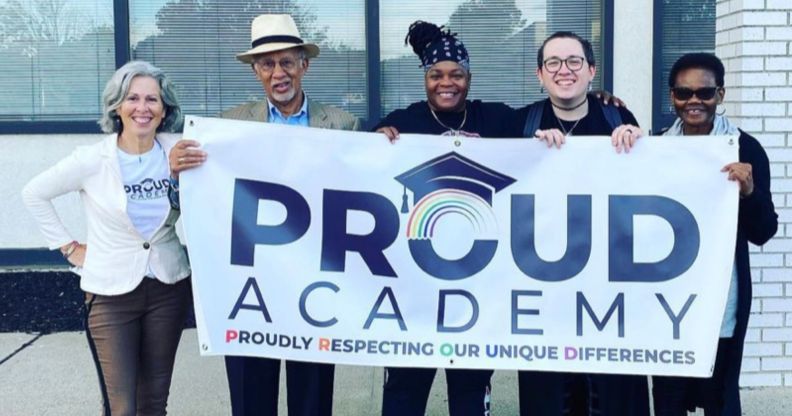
x: 574, y: 107
x: 137, y: 151
x: 561, y: 124
x: 454, y: 131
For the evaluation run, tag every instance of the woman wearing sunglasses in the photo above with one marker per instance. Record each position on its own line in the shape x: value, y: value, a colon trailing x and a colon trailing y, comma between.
x: 696, y: 82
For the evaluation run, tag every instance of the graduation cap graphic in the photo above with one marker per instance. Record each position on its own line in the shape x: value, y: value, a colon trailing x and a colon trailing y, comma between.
x: 451, y: 184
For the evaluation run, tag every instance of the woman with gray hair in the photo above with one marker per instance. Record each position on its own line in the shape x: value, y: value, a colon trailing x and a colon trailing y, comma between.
x: 132, y: 267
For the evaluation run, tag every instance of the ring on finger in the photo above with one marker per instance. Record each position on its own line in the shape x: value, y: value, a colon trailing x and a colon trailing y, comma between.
x: 181, y: 160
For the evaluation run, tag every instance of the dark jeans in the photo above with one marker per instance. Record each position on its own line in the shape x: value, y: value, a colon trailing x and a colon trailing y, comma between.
x: 717, y: 395
x: 253, y: 386
x: 552, y: 394
x: 406, y: 391
x: 133, y: 339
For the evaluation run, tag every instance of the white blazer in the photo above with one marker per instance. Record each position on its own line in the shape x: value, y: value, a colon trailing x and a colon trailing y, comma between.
x: 117, y: 256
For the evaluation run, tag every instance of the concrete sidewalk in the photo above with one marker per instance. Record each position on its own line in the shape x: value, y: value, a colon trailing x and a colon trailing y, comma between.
x: 54, y: 375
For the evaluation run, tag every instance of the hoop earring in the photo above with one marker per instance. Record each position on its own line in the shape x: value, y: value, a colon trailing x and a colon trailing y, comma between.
x: 720, y: 113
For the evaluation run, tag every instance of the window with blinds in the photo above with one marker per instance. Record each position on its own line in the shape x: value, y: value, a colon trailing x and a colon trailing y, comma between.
x: 687, y: 26
x: 195, y: 43
x: 502, y: 38
x: 55, y: 57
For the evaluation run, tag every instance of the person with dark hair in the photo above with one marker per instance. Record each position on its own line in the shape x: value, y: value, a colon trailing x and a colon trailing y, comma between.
x: 132, y: 268
x: 447, y: 80
x: 446, y: 111
x: 696, y: 85
x: 701, y: 60
x: 588, y: 50
x: 566, y: 68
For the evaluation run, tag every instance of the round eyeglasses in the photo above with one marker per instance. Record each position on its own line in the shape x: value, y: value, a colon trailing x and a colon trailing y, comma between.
x: 268, y: 65
x: 574, y: 63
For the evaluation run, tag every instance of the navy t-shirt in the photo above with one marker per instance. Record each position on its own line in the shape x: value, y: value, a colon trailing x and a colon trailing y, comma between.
x: 494, y: 120
x: 593, y: 124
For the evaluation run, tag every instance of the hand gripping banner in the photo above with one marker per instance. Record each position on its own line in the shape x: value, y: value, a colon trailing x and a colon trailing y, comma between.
x: 338, y: 247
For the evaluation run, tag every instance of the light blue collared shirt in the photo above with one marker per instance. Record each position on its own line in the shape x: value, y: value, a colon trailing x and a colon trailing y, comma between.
x: 275, y: 116
x: 730, y: 314
x: 299, y: 118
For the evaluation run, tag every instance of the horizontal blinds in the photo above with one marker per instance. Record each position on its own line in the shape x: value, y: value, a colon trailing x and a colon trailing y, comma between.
x: 688, y: 26
x: 57, y: 70
x: 502, y: 38
x: 55, y: 57
x: 195, y: 42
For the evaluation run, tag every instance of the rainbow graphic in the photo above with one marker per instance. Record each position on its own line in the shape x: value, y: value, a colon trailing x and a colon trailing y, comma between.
x: 435, y: 205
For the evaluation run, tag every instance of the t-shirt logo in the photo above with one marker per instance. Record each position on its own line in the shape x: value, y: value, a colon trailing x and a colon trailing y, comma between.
x: 148, y: 189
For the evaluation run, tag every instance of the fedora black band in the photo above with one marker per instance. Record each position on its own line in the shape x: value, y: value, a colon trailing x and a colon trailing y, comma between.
x: 277, y: 39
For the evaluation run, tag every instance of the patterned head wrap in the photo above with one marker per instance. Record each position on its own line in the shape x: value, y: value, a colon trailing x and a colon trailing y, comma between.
x: 434, y: 44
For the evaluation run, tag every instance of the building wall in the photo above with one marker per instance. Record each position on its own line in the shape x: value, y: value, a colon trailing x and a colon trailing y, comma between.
x: 754, y: 39
x: 632, y: 82
x: 23, y: 157
x: 632, y: 65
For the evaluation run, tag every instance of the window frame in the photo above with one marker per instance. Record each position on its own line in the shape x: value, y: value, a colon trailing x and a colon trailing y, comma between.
x: 373, y: 80
x: 659, y: 86
x: 122, y: 56
x: 608, y: 21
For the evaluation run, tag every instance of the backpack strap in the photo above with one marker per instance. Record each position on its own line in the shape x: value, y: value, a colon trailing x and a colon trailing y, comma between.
x: 533, y: 119
x: 535, y: 110
x: 612, y: 115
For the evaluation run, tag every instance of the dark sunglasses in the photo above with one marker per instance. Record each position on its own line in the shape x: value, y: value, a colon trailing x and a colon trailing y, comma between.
x: 684, y: 94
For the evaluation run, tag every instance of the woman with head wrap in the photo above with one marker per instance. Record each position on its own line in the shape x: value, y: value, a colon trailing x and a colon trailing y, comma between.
x: 447, y: 77
x: 446, y: 111
x: 696, y: 82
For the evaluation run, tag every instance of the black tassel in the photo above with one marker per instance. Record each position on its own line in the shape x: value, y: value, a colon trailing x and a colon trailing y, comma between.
x: 404, y: 208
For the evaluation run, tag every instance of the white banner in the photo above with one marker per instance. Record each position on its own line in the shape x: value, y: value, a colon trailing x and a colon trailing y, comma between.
x: 333, y: 246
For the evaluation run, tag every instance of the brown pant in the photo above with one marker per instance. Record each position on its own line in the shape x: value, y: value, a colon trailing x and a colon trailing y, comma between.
x: 133, y: 339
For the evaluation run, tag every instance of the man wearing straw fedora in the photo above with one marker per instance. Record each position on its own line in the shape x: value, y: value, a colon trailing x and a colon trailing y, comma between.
x: 279, y: 59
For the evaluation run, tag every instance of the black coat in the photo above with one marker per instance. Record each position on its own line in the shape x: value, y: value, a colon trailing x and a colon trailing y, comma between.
x: 757, y: 223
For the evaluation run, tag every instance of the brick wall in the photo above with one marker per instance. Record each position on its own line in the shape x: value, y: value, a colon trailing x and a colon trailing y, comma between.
x: 754, y: 39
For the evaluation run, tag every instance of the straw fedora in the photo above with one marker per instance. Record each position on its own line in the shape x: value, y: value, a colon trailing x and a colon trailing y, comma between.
x: 275, y: 32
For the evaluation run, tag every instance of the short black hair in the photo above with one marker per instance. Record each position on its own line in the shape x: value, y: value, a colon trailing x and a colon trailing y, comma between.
x: 588, y: 51
x: 701, y: 60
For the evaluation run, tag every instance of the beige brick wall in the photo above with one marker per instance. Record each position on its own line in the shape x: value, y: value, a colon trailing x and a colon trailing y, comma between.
x: 754, y: 39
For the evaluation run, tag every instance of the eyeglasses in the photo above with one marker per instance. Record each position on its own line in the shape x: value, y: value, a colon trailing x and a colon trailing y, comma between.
x: 286, y: 64
x: 574, y: 63
x: 684, y: 93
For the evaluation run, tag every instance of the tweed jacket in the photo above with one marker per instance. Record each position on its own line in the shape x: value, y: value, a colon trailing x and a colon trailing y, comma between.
x: 117, y: 257
x: 319, y: 115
